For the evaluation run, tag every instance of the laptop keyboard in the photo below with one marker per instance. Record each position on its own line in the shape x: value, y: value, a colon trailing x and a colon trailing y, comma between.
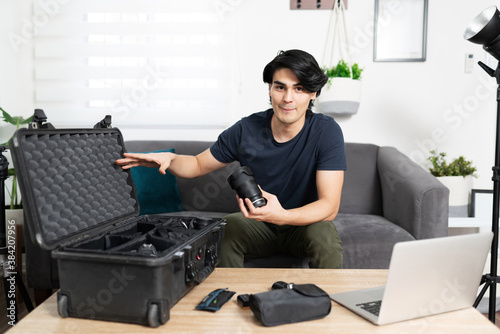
x: 372, y: 307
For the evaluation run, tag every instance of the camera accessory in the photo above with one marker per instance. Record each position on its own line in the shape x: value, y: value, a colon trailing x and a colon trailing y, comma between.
x: 200, y: 223
x: 215, y: 299
x: 243, y: 182
x: 147, y: 250
x: 289, y: 303
x: 243, y: 300
x: 282, y: 285
x: 180, y: 224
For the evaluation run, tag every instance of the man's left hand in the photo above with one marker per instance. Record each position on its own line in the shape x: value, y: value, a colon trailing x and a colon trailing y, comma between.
x: 272, y: 212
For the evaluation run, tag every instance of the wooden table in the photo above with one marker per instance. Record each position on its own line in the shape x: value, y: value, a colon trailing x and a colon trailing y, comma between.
x: 233, y: 319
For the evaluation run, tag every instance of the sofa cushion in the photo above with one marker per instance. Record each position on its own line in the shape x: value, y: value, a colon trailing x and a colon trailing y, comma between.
x: 368, y: 240
x: 205, y: 193
x: 156, y: 193
x: 361, y: 193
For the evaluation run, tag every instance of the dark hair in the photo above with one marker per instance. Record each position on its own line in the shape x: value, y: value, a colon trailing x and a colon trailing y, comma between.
x: 304, y: 66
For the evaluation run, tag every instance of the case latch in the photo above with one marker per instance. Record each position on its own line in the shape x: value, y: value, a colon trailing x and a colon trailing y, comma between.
x: 38, y: 119
x: 105, y: 123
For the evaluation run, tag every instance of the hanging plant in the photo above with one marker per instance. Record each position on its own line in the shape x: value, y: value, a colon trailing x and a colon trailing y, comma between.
x: 343, y: 70
x: 342, y: 94
x: 356, y: 71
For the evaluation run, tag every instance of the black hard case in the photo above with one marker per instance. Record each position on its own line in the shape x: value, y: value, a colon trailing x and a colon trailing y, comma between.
x: 82, y: 206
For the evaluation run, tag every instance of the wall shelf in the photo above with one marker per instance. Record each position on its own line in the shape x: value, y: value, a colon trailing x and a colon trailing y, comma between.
x: 468, y: 222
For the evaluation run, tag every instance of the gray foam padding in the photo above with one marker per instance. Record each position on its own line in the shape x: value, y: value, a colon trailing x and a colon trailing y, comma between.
x: 75, y: 182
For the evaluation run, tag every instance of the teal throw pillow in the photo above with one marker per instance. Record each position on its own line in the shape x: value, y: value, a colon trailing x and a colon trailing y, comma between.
x: 156, y: 193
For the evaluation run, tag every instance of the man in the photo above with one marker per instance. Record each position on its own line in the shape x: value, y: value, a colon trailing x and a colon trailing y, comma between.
x: 297, y: 158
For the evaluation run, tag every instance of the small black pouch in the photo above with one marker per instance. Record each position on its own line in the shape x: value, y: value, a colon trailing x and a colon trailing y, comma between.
x: 293, y: 303
x: 215, y: 300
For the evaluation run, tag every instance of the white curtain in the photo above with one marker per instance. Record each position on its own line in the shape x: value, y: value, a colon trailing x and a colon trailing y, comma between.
x: 144, y: 62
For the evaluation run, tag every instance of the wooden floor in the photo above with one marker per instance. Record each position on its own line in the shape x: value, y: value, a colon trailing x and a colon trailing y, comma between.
x: 4, y: 326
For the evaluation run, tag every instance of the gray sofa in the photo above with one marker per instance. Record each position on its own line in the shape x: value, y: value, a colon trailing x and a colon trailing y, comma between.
x: 386, y: 198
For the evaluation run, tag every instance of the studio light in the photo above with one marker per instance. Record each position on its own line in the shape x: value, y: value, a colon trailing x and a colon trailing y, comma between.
x: 485, y: 30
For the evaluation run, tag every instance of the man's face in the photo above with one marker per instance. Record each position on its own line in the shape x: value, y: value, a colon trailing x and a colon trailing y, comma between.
x: 288, y: 97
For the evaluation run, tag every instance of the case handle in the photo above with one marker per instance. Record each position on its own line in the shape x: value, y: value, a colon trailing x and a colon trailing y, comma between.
x: 105, y: 123
x: 38, y: 119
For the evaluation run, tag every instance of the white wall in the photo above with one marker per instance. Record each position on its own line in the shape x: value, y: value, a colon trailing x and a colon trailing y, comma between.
x: 412, y: 106
x: 16, y: 68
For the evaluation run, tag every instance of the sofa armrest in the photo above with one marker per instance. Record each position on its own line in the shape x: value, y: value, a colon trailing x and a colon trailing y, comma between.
x: 412, y: 197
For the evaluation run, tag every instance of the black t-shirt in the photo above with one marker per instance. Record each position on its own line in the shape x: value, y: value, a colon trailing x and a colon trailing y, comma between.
x: 287, y: 170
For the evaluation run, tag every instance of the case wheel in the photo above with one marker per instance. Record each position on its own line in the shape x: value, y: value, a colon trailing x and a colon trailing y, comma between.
x: 62, y: 306
x: 154, y: 315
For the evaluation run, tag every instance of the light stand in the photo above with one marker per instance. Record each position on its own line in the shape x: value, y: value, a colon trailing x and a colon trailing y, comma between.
x: 485, y: 30
x: 490, y: 280
x: 11, y: 278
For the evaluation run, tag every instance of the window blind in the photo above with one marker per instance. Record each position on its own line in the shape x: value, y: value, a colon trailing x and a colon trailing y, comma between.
x: 145, y: 62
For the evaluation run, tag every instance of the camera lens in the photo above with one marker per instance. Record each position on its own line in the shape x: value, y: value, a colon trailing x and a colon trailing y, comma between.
x: 243, y: 182
x: 147, y: 250
x: 200, y: 223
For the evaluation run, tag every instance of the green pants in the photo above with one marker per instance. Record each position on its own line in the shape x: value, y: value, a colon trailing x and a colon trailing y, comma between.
x: 250, y: 238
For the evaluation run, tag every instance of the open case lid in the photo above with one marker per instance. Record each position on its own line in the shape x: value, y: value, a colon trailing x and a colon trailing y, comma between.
x: 70, y: 184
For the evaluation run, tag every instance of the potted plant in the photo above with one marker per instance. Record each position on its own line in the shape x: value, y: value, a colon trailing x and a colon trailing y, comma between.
x: 17, y: 121
x: 457, y: 176
x: 342, y: 93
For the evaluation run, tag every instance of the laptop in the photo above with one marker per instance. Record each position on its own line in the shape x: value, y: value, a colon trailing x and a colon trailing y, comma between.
x: 426, y: 277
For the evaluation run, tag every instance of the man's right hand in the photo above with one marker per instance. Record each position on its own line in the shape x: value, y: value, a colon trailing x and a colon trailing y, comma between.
x: 161, y: 160
x: 185, y: 166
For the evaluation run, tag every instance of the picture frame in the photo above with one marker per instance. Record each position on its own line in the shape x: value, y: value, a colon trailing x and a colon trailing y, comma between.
x: 481, y: 203
x: 400, y: 31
